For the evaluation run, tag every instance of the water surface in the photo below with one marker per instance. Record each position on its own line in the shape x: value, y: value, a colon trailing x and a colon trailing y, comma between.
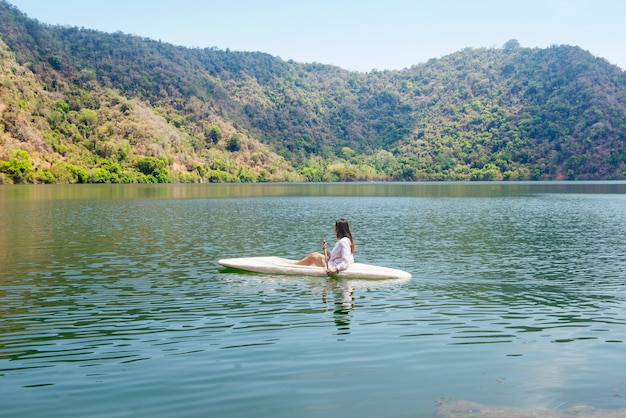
x: 113, y: 303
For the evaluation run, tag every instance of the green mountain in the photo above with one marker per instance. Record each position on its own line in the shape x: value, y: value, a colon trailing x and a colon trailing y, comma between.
x: 78, y: 105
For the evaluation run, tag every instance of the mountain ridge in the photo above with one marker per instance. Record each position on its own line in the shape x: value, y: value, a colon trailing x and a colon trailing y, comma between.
x: 120, y: 108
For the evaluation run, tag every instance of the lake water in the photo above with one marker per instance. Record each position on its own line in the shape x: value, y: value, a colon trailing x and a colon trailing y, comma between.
x: 113, y: 304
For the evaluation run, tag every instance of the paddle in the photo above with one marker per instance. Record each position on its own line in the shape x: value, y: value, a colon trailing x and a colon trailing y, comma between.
x: 324, y: 251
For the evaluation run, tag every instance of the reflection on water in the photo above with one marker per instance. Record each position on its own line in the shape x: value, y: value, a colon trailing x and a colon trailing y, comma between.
x: 343, y: 300
x: 517, y: 300
x: 453, y: 408
x: 212, y: 191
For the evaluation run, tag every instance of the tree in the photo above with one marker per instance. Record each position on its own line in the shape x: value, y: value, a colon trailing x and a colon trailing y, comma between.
x: 87, y: 119
x: 347, y: 152
x: 234, y: 142
x: 511, y: 46
x: 213, y: 135
x: 154, y: 169
x: 18, y: 167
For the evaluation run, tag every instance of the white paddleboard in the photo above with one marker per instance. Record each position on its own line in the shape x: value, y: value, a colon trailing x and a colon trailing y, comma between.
x: 277, y: 265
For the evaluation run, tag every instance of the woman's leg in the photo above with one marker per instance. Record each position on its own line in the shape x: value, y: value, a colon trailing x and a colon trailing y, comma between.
x: 313, y: 259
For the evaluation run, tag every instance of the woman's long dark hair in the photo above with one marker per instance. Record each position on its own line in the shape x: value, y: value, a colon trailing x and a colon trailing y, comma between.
x: 342, y: 229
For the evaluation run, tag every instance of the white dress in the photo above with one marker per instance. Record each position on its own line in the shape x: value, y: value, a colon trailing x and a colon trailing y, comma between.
x: 341, y: 256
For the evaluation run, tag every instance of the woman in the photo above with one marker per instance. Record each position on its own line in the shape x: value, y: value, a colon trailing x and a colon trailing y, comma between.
x: 340, y: 257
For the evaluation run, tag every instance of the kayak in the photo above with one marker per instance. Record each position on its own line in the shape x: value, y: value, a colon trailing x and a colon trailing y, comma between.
x: 277, y: 265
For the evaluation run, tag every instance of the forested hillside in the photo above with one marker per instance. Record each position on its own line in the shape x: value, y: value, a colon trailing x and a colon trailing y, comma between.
x: 78, y: 105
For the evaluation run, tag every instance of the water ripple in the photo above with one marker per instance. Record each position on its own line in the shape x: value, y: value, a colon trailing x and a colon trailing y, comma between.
x: 514, y: 300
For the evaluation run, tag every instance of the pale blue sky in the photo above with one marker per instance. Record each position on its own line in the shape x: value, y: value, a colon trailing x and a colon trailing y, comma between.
x: 353, y: 34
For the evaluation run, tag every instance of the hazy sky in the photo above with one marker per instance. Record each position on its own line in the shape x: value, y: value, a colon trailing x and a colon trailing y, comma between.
x: 354, y: 34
